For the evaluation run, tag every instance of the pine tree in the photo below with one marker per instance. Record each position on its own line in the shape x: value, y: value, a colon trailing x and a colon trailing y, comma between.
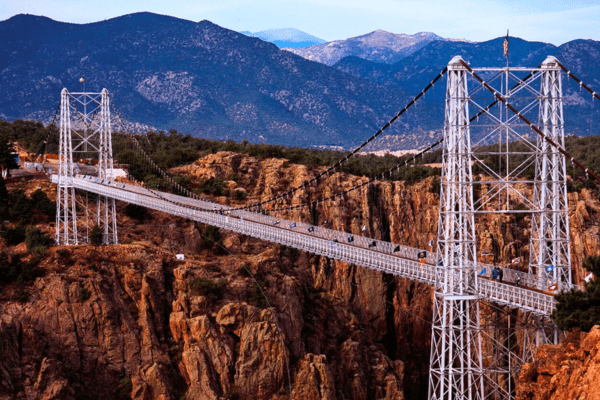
x: 580, y: 309
x: 3, y: 194
x: 7, y: 159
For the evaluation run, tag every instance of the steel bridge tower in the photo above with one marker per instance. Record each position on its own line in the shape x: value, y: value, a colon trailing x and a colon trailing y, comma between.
x: 472, y: 358
x: 550, y: 255
x: 88, y: 134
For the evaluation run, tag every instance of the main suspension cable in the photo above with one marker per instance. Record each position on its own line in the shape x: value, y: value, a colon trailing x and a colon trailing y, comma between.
x: 148, y: 159
x: 356, y: 187
x: 576, y: 79
x: 275, y: 199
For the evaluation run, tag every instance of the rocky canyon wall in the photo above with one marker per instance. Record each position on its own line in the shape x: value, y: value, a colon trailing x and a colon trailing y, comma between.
x: 130, y: 321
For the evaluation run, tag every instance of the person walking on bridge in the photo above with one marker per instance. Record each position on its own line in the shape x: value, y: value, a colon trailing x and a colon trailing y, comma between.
x: 495, y: 273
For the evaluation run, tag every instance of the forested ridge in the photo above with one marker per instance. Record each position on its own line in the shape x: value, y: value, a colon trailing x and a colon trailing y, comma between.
x: 171, y: 149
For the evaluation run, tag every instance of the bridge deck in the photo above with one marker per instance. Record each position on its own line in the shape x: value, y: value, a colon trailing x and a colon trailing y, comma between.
x: 361, y: 251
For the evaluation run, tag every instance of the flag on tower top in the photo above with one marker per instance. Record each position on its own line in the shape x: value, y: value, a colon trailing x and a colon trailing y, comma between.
x: 505, y: 45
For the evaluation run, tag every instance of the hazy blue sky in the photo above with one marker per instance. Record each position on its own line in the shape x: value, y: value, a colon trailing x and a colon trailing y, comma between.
x: 549, y: 21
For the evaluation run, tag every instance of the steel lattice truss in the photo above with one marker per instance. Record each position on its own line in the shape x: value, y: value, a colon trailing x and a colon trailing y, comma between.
x: 87, y: 134
x: 550, y: 249
x: 468, y: 361
x: 455, y: 364
x: 509, y: 339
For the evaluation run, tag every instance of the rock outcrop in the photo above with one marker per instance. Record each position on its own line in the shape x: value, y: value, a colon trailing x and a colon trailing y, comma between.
x: 567, y: 371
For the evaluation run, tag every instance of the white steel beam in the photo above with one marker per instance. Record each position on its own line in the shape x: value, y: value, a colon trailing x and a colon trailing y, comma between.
x: 456, y: 364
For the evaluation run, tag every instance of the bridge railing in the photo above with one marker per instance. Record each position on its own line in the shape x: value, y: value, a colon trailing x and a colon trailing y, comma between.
x: 317, y: 231
x: 527, y: 279
x: 510, y: 275
x: 319, y: 244
x: 530, y: 300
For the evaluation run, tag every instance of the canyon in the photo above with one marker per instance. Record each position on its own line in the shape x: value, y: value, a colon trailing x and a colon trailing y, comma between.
x: 244, y: 319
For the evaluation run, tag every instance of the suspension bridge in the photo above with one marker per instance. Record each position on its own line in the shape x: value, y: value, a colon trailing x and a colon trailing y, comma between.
x: 488, y: 125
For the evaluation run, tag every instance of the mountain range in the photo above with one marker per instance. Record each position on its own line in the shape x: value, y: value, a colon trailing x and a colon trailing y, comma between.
x: 198, y: 78
x: 212, y: 82
x: 286, y: 37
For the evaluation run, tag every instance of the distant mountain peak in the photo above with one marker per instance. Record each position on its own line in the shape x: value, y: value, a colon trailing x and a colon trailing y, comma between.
x: 286, y: 37
x: 377, y: 46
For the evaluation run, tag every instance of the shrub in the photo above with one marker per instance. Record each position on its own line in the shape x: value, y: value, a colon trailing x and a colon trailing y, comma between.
x: 41, y: 202
x: 15, y: 269
x: 154, y: 182
x: 240, y: 195
x: 574, y: 186
x: 14, y: 235
x: 96, y: 236
x: 63, y: 253
x: 205, y: 287
x: 20, y: 208
x: 211, y: 233
x: 29, y: 272
x: 35, y: 238
x: 5, y: 267
x: 214, y: 186
x: 64, y: 257
x: 290, y: 253
x: 233, y: 177
x: 4, y: 197
x: 84, y: 294
x: 21, y: 295
x: 256, y: 295
x: 211, y: 239
x: 521, y: 216
x: 435, y: 185
x: 136, y: 212
x: 39, y: 252
x: 125, y: 387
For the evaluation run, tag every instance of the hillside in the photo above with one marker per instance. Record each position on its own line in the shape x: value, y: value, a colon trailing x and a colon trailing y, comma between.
x: 564, y: 372
x: 198, y: 78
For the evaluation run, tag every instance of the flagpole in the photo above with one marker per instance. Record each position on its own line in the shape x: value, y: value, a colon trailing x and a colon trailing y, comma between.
x: 507, y: 49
